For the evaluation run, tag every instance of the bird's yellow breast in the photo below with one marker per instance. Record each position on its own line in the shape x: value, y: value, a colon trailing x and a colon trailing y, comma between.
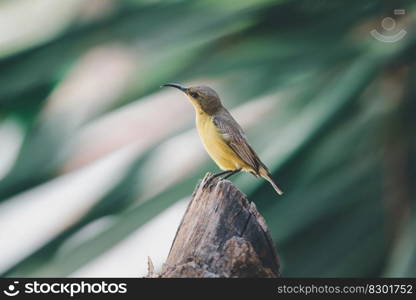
x: 215, y: 145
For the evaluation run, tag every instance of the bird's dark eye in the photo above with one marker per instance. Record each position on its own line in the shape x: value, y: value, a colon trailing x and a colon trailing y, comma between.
x: 194, y: 95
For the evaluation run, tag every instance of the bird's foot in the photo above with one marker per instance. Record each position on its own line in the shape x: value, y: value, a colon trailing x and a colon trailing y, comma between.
x: 210, y: 178
x: 231, y: 173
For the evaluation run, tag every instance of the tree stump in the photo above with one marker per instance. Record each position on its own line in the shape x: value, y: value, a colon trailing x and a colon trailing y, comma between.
x: 221, y: 235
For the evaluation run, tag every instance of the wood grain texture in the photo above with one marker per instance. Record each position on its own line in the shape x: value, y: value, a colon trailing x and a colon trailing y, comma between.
x: 221, y: 235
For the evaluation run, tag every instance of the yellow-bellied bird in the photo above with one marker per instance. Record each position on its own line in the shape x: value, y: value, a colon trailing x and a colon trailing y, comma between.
x: 223, y: 138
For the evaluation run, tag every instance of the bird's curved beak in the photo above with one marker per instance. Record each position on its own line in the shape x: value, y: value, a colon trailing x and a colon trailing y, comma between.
x: 175, y: 85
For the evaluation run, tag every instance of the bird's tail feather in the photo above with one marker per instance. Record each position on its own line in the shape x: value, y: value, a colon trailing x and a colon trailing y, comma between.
x: 266, y: 175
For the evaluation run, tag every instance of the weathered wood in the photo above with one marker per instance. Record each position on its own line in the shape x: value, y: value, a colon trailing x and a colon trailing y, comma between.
x: 221, y: 235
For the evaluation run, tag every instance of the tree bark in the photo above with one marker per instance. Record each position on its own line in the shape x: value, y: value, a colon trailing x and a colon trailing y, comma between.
x: 221, y: 235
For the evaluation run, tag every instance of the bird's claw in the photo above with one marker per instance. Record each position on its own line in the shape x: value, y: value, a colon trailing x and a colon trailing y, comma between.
x: 207, y: 182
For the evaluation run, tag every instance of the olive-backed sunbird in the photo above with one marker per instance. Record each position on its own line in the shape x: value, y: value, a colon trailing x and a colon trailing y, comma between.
x: 222, y: 137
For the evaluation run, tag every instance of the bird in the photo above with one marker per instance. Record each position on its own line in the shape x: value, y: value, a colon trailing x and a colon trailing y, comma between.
x: 222, y: 137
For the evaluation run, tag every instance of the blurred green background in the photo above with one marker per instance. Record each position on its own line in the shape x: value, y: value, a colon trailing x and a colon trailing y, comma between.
x: 97, y: 163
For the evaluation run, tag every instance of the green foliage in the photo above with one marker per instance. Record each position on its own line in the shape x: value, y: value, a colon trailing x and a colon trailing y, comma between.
x: 339, y: 138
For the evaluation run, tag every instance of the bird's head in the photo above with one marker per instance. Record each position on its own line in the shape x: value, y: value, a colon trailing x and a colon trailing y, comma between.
x: 204, y: 98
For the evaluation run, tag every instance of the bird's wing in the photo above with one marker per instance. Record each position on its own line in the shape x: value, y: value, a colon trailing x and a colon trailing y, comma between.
x: 234, y: 136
